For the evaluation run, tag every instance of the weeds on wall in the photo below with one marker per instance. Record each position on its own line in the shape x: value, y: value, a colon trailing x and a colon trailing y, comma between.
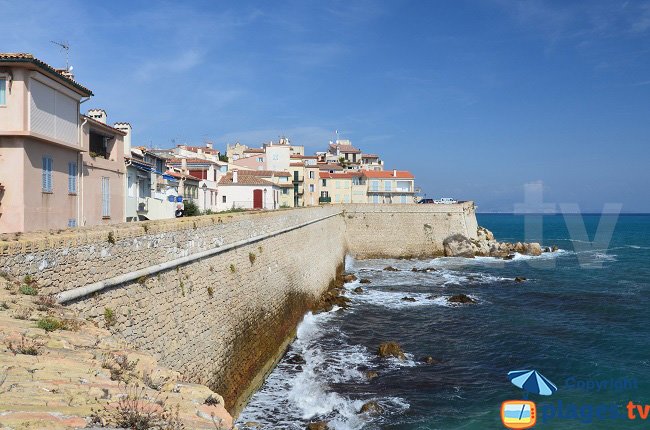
x: 28, y: 290
x: 135, y: 410
x: 23, y: 313
x: 142, y: 280
x: 109, y: 317
x: 44, y: 303
x: 232, y: 268
x: 251, y: 257
x: 111, y: 238
x: 210, y: 292
x: 121, y: 368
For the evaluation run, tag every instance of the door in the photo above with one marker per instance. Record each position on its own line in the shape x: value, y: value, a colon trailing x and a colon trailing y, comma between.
x: 257, y: 199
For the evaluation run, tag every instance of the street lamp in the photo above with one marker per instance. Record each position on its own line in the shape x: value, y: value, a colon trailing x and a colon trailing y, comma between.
x: 205, y: 192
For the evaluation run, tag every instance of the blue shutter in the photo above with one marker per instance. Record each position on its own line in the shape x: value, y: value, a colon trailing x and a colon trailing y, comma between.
x: 47, y: 175
x: 72, y: 177
x: 106, y: 198
x: 3, y: 92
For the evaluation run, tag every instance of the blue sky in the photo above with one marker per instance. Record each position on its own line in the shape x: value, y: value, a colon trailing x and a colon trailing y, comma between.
x: 477, y: 98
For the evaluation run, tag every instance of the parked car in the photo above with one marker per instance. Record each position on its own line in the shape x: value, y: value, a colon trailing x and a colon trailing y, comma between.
x: 426, y: 201
x: 445, y: 201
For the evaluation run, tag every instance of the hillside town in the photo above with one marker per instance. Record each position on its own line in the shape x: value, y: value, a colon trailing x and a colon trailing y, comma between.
x: 93, y: 173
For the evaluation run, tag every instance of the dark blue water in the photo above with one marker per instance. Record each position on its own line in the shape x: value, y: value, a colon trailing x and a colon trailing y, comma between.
x: 581, y: 316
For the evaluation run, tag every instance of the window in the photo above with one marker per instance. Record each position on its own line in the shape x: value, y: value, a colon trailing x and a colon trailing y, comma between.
x: 338, y: 185
x: 388, y: 185
x: 72, y: 178
x: 3, y: 91
x: 356, y: 180
x: 260, y: 159
x: 285, y: 191
x: 106, y: 198
x: 311, y: 188
x: 403, y: 197
x: 99, y: 145
x: 223, y: 199
x: 311, y: 174
x: 375, y: 198
x: 72, y: 222
x: 131, y: 185
x: 324, y: 182
x: 374, y: 186
x: 47, y: 175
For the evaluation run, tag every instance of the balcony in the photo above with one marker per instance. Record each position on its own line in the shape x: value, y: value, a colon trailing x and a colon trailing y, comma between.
x: 322, y: 200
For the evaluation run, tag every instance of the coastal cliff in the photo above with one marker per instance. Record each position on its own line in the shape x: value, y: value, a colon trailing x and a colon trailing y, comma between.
x: 485, y: 245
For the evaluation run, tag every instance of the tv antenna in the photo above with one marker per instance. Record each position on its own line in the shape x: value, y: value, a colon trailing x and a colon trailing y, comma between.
x: 65, y: 46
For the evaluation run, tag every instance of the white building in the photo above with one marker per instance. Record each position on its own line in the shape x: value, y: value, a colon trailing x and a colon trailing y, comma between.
x: 237, y: 190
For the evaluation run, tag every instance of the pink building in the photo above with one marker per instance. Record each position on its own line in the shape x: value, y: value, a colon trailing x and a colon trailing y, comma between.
x: 49, y: 179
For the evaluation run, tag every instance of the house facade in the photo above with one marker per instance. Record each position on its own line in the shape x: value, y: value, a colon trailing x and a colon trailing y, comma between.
x: 390, y: 187
x: 40, y: 146
x: 239, y: 190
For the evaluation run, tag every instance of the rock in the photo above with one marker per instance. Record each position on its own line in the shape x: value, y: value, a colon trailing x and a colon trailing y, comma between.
x: 349, y: 278
x: 318, y: 425
x: 390, y: 349
x: 548, y: 249
x: 371, y: 408
x: 429, y: 360
x: 409, y: 299
x: 391, y: 269
x: 520, y: 279
x: 458, y: 245
x: 424, y: 270
x: 461, y: 298
x: 358, y: 290
x: 364, y: 281
x: 509, y: 257
x: 371, y: 374
x: 296, y: 359
x: 534, y: 249
x: 554, y: 248
x: 252, y: 424
x: 432, y: 297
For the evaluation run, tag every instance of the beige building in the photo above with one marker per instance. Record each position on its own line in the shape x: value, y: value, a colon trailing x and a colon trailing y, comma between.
x: 393, y: 186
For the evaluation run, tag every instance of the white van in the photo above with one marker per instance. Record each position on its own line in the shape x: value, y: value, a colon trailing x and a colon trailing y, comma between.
x: 445, y: 201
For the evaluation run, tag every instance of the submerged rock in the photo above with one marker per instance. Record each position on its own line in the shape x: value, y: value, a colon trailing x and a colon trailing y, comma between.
x: 424, y: 270
x: 390, y: 349
x: 520, y: 279
x: 409, y: 299
x: 391, y: 269
x: 318, y: 425
x: 349, y: 277
x: 371, y: 408
x: 364, y: 281
x: 358, y: 290
x: 509, y: 257
x: 371, y: 374
x: 430, y: 360
x: 296, y: 359
x: 461, y: 298
x: 554, y: 248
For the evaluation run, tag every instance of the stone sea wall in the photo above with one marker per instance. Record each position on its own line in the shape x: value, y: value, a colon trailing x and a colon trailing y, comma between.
x: 225, y: 318
x: 377, y: 231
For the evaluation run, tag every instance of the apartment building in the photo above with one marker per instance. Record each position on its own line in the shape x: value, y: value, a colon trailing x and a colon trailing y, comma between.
x: 396, y: 186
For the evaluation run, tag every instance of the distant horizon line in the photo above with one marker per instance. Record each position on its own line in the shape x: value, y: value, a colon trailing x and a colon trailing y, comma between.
x: 567, y: 213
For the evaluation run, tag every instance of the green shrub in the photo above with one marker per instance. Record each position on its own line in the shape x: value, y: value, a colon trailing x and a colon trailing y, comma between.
x: 111, y: 238
x: 49, y: 324
x: 28, y: 290
x: 191, y: 209
x: 252, y: 257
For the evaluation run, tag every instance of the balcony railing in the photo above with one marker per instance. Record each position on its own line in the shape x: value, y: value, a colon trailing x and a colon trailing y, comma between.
x: 322, y: 200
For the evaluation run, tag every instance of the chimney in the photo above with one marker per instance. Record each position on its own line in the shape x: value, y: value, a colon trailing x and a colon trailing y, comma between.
x: 98, y: 115
x: 208, y: 145
x: 183, y: 165
x: 234, y: 176
x: 126, y: 128
x: 394, y: 173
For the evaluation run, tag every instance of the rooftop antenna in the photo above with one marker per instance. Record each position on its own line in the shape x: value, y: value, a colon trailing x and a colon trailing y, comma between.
x: 65, y: 46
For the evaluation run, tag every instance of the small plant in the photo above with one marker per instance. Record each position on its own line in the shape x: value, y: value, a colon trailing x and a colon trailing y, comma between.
x: 232, y: 268
x: 211, y: 268
x: 71, y: 325
x: 190, y: 208
x: 120, y: 366
x: 28, y: 279
x: 28, y: 290
x: 260, y: 249
x: 252, y: 257
x: 44, y: 303
x: 49, y: 324
x: 182, y: 286
x: 4, y: 275
x: 134, y: 410
x: 4, y: 306
x: 111, y: 238
x: 22, y: 314
x: 109, y: 317
x: 25, y: 347
x: 154, y: 384
x: 145, y: 227
x: 212, y: 401
x: 142, y: 280
x: 210, y: 292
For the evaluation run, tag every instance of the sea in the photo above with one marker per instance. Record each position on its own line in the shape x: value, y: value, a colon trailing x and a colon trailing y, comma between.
x: 581, y: 318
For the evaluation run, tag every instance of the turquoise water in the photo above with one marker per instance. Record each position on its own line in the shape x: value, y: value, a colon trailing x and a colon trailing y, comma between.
x: 581, y: 316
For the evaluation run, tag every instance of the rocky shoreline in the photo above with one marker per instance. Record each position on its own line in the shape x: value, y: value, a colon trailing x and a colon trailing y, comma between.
x: 487, y: 246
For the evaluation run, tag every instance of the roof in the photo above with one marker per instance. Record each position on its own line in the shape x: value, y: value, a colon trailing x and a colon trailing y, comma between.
x: 9, y: 57
x: 297, y: 164
x: 204, y: 149
x: 190, y: 161
x: 302, y: 157
x: 244, y: 180
x: 370, y: 156
x: 100, y: 124
x: 255, y: 150
x: 181, y: 175
x: 345, y: 148
x: 399, y: 174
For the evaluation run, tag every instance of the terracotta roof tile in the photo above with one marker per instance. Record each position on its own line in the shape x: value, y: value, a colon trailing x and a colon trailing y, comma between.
x: 400, y: 174
x: 244, y: 180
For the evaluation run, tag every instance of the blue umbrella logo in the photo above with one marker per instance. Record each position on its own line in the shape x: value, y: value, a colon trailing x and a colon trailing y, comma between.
x: 531, y: 381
